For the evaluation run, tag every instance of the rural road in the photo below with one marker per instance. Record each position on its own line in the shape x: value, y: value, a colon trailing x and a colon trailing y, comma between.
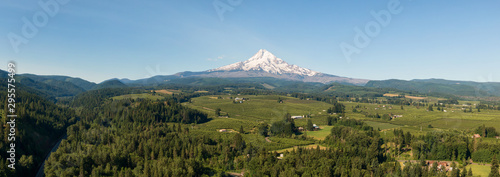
x: 268, y: 140
x: 54, y: 148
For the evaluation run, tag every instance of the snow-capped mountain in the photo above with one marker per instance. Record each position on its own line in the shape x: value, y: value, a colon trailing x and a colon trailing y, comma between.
x: 262, y: 65
x: 264, y: 60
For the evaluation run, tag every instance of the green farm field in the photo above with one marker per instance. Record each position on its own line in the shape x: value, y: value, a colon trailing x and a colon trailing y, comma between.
x: 256, y: 110
x: 136, y: 96
x: 321, y: 133
x: 453, y: 118
x: 262, y: 108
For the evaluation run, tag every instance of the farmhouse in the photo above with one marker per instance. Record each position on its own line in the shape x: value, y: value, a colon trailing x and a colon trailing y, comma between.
x: 240, y: 100
x: 443, y: 166
x: 430, y: 163
x: 280, y: 157
x: 397, y: 116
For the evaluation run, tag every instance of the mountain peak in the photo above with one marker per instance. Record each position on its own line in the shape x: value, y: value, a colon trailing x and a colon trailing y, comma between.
x: 265, y: 61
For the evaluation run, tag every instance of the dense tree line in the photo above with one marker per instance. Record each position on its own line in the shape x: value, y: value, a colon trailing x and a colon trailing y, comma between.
x: 39, y: 125
x: 285, y: 127
x: 489, y: 132
x: 337, y: 108
x: 133, y: 138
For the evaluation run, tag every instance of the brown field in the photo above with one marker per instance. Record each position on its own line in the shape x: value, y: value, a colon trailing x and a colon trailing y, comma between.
x: 163, y: 91
x: 416, y: 97
x: 410, y: 97
x: 391, y: 95
x: 201, y: 91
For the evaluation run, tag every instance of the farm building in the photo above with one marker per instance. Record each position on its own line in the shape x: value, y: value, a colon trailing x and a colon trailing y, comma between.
x: 397, y: 116
x: 222, y: 130
x: 476, y: 136
x: 301, y: 128
x: 443, y: 166
x: 315, y: 127
x: 297, y: 117
x: 280, y: 157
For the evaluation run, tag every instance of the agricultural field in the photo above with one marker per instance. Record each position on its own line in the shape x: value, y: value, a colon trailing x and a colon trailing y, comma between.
x: 259, y: 109
x: 321, y: 133
x: 167, y: 91
x: 253, y: 110
x: 262, y: 108
x: 480, y: 170
x: 452, y: 118
x: 136, y: 96
x: 266, y: 109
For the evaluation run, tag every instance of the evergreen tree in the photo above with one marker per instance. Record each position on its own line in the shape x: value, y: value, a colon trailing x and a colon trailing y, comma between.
x: 464, y: 172
x: 494, y: 167
x: 241, y: 130
x: 217, y: 112
x: 309, y: 126
x: 455, y: 172
x: 263, y: 129
x: 329, y: 120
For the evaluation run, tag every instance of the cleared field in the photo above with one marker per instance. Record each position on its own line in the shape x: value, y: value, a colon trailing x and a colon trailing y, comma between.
x: 163, y: 91
x: 410, y: 97
x: 416, y: 97
x: 453, y: 118
x: 480, y: 170
x: 381, y: 125
x: 261, y: 108
x: 135, y: 96
x: 255, y: 110
x: 320, y: 134
x: 168, y: 91
x: 391, y: 95
x: 227, y: 123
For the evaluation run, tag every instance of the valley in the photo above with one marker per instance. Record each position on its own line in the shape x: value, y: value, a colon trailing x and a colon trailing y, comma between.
x: 215, y: 125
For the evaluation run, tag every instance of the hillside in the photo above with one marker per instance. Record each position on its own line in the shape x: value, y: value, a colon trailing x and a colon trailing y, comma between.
x: 40, y: 124
x: 109, y: 84
x: 458, y: 88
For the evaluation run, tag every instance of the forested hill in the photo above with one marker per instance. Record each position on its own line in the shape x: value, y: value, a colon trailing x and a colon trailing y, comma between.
x: 430, y: 86
x: 40, y: 124
x: 56, y: 87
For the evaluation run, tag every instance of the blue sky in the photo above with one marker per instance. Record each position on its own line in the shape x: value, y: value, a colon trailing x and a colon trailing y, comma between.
x: 98, y: 40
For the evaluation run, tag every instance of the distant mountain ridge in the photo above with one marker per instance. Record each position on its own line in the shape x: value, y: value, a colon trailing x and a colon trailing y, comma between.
x: 461, y: 88
x: 262, y: 68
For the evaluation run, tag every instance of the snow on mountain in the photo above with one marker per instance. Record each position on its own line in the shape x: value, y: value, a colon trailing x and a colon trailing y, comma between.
x: 264, y: 60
